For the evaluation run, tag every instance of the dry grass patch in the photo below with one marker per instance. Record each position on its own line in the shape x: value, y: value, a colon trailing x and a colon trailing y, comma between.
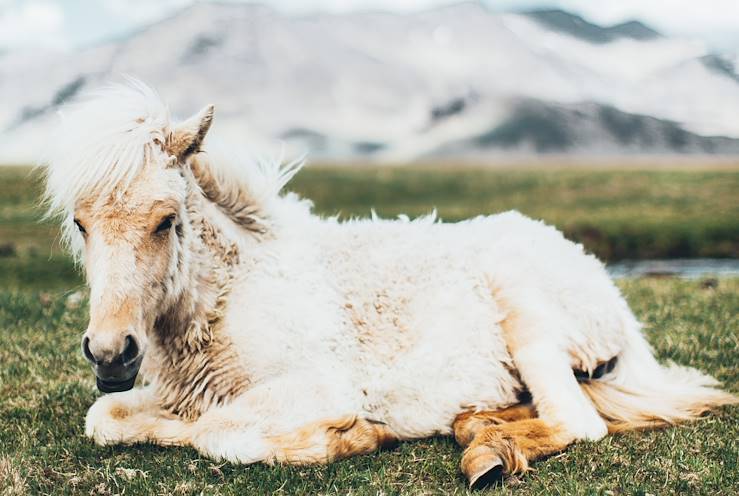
x: 12, y: 481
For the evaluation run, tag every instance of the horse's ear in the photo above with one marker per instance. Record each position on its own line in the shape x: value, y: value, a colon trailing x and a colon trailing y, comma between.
x: 188, y: 135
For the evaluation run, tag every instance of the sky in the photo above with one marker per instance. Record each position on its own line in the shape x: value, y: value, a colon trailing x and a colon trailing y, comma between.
x: 67, y: 24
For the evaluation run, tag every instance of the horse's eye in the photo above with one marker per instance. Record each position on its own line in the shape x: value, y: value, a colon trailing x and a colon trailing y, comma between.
x: 165, y: 224
x: 79, y: 226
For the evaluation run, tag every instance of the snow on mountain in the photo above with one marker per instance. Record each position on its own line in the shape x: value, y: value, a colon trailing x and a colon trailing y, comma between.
x: 457, y: 80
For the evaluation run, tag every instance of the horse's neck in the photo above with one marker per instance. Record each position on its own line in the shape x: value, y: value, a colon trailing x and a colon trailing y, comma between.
x: 205, y: 286
x: 192, y: 346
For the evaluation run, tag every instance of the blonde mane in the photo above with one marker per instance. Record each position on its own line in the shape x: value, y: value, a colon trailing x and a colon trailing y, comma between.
x: 103, y: 142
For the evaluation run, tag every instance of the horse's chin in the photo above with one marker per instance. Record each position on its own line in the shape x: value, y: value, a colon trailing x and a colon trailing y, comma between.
x: 115, y: 386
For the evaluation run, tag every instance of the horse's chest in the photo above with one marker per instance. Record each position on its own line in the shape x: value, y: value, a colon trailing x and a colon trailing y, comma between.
x: 189, y: 382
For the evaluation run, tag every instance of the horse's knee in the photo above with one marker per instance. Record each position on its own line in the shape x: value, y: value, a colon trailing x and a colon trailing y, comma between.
x: 105, y: 420
x: 132, y: 417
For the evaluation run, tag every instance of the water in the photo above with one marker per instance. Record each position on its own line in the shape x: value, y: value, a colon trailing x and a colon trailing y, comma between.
x: 693, y: 268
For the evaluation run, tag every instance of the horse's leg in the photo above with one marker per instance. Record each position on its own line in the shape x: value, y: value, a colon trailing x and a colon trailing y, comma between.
x: 504, y: 441
x: 252, y: 428
x: 507, y: 447
x: 533, y: 337
x: 556, y: 393
x: 329, y: 440
x: 468, y: 424
x: 132, y: 417
x: 223, y: 434
x: 135, y: 417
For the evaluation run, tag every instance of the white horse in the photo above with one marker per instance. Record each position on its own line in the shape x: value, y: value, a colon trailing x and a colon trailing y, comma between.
x: 266, y: 333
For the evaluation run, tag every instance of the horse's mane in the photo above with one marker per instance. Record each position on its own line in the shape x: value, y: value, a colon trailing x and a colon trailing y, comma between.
x: 102, y: 144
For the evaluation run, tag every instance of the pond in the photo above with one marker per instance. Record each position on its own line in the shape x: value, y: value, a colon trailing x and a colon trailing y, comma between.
x: 693, y: 268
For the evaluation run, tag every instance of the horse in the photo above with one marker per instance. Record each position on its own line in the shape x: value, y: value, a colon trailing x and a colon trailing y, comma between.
x: 263, y: 332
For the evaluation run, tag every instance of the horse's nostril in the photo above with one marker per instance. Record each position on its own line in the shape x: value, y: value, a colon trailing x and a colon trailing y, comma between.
x: 130, y: 350
x: 86, y: 350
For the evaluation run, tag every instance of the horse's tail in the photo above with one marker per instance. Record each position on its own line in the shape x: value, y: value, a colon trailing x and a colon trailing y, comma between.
x: 640, y: 393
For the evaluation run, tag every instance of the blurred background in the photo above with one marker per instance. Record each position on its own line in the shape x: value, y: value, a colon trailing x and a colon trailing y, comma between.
x: 402, y: 80
x: 615, y: 120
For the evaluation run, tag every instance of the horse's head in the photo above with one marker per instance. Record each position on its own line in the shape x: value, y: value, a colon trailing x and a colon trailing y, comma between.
x: 133, y: 252
x: 126, y: 218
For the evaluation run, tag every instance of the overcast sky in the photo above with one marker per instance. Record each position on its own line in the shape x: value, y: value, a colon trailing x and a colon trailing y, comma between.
x: 71, y: 23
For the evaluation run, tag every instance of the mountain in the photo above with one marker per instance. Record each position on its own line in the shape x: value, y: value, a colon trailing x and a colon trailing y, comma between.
x: 457, y: 80
x: 538, y: 127
x: 574, y: 25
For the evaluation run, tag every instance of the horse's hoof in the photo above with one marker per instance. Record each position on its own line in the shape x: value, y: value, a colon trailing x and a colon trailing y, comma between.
x: 482, y: 467
x: 487, y: 476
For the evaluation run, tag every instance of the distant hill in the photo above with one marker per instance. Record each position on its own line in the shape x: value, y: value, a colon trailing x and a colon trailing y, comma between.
x: 574, y: 25
x: 538, y: 127
x: 456, y: 80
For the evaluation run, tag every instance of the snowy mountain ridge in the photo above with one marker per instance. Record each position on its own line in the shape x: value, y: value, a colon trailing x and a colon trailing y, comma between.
x: 453, y: 81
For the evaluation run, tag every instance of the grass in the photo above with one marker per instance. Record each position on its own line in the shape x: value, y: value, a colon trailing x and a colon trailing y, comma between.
x: 615, y: 213
x: 30, y: 255
x: 45, y: 386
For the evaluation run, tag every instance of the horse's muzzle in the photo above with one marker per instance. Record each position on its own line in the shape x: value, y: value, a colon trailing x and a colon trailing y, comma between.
x: 115, y: 374
x: 118, y: 375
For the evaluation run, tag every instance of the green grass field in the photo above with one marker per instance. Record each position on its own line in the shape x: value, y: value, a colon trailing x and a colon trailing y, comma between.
x: 46, y: 387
